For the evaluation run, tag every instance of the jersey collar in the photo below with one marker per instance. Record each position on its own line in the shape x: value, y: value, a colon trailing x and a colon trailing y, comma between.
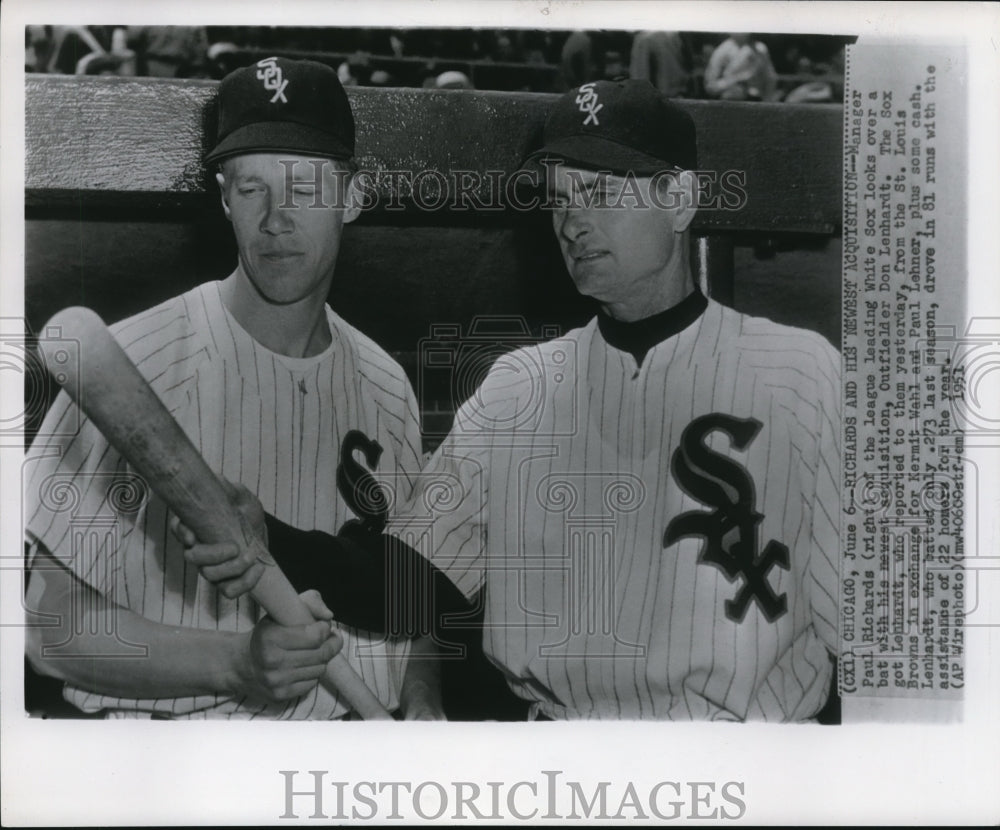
x: 639, y: 336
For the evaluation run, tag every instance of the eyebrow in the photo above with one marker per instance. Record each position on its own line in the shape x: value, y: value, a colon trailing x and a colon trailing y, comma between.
x: 599, y: 185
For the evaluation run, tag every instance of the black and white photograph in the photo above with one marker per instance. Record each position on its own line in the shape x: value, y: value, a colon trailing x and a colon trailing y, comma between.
x: 610, y: 411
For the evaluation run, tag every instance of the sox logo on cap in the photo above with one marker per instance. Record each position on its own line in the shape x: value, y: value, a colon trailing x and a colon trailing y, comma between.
x: 270, y: 74
x: 587, y: 102
x: 624, y: 127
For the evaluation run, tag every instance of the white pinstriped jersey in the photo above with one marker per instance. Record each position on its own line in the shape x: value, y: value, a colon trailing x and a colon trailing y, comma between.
x: 656, y: 542
x: 275, y: 424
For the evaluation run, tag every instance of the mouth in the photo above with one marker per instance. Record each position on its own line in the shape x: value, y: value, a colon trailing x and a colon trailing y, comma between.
x: 590, y: 256
x: 278, y: 256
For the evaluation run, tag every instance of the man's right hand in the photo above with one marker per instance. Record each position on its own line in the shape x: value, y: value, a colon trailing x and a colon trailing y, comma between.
x: 276, y: 663
x: 234, y: 570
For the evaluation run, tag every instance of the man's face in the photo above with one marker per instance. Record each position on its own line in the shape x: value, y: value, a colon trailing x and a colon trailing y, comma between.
x: 617, y: 236
x: 287, y: 213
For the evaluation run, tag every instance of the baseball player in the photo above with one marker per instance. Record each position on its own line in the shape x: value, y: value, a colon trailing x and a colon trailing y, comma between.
x: 279, y: 394
x: 650, y: 501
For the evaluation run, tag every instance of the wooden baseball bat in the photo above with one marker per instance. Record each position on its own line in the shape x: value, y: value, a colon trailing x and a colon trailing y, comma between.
x: 108, y: 387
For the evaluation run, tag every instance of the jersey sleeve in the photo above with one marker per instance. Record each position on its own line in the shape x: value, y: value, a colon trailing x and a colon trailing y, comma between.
x: 824, y: 565
x: 83, y: 502
x: 446, y: 517
x: 80, y: 497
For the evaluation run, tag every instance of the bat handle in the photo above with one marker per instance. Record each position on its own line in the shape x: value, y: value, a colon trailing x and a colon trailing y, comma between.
x: 277, y: 596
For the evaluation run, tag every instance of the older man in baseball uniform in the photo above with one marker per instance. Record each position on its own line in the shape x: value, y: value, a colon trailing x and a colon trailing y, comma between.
x: 280, y: 395
x: 650, y: 501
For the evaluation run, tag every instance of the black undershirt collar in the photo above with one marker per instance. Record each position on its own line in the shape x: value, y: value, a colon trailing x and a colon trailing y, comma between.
x: 639, y: 336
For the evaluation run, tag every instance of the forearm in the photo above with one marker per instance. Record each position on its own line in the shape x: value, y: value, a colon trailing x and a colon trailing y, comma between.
x: 769, y: 84
x: 137, y: 658
x: 370, y: 581
x: 420, y: 695
x: 713, y: 74
x: 723, y: 84
x: 714, y: 86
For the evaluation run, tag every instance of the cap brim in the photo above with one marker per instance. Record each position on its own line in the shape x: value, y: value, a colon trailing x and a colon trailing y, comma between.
x: 280, y: 137
x: 597, y: 153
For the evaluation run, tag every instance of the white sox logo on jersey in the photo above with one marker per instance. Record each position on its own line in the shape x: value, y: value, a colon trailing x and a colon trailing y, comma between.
x: 358, y: 487
x: 270, y: 73
x: 729, y: 531
x: 586, y: 100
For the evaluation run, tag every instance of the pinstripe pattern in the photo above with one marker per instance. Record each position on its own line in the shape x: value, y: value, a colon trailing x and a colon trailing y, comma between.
x: 272, y: 422
x: 564, y: 517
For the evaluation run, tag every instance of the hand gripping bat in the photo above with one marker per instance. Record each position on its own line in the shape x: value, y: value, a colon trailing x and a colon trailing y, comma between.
x: 108, y: 387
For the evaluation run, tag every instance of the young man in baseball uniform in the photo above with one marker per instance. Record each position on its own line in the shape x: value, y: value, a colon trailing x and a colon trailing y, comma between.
x: 652, y: 500
x: 279, y: 394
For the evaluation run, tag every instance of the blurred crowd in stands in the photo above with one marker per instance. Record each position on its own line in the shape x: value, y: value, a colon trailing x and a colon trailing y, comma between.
x: 737, y: 66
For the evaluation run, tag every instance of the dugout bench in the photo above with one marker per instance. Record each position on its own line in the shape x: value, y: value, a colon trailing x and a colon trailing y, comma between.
x: 120, y: 214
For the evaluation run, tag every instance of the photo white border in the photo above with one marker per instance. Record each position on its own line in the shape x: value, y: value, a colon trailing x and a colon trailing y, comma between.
x: 89, y: 773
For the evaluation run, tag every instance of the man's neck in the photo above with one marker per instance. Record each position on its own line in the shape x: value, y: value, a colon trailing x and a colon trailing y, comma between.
x: 637, y: 337
x: 666, y: 294
x: 296, y: 329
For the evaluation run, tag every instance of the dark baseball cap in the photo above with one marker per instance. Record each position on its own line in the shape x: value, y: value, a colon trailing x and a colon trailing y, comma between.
x: 619, y: 126
x: 285, y: 105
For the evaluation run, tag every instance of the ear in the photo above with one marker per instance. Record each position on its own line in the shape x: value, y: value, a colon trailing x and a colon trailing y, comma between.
x: 683, y: 190
x: 222, y: 189
x: 355, y: 202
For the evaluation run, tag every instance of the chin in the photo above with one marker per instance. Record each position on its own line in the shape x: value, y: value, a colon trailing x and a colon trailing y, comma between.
x: 274, y: 293
x: 587, y: 283
x: 279, y: 299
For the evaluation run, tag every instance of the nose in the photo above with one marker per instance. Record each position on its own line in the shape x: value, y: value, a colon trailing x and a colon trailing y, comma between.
x: 276, y: 219
x: 571, y: 223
